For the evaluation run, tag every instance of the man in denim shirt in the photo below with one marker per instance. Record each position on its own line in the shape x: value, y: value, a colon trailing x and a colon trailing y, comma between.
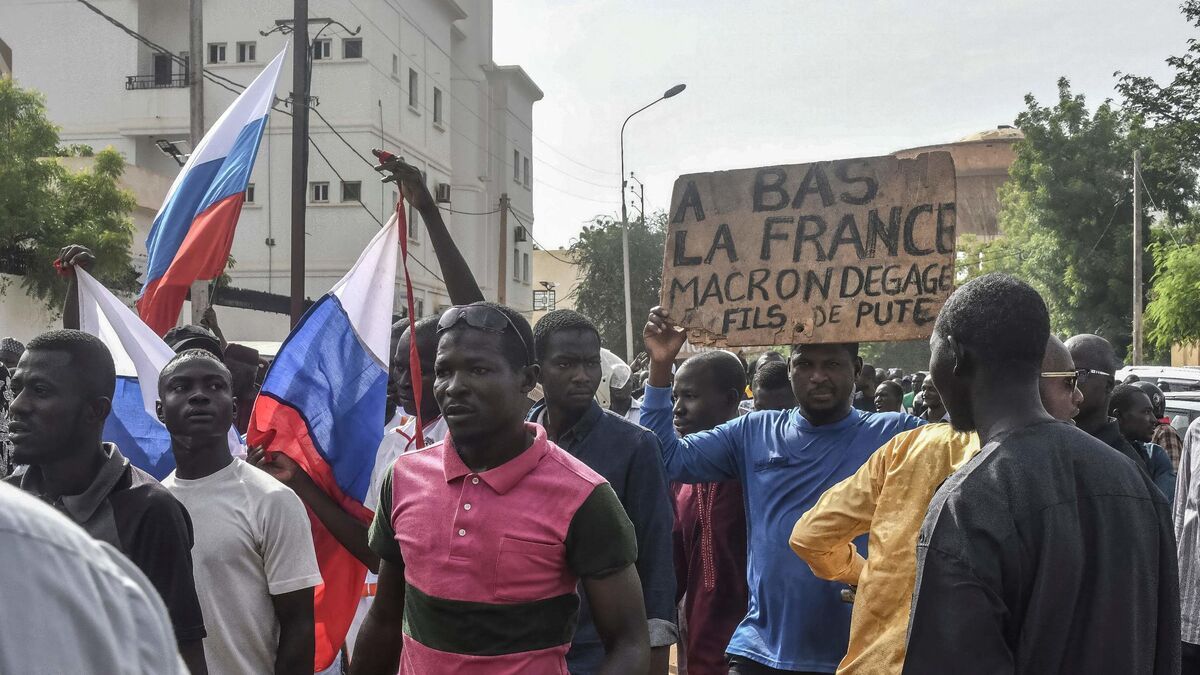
x: 627, y: 456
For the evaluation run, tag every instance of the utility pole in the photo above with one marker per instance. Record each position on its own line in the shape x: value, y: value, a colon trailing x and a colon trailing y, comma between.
x: 1137, y: 257
x: 301, y: 51
x: 502, y: 279
x: 640, y: 192
x: 195, y: 74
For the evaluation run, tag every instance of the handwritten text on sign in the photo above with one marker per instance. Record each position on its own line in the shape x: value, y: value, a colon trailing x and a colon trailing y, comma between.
x: 850, y: 250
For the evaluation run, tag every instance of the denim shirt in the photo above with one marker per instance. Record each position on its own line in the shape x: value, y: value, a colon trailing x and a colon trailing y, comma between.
x: 629, y: 458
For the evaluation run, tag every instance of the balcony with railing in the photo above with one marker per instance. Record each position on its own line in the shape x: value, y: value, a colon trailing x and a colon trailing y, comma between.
x: 156, y: 81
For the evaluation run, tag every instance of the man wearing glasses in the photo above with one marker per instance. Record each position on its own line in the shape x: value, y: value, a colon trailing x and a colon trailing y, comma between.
x: 1095, y: 361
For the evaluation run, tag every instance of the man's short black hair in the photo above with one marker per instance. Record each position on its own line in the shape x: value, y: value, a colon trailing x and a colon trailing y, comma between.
x: 896, y: 388
x: 92, y: 361
x: 1124, y: 396
x: 426, y: 330
x: 519, y: 355
x: 553, y: 322
x: 187, y: 357
x: 850, y: 347
x: 772, y: 375
x: 1002, y: 318
x: 724, y: 366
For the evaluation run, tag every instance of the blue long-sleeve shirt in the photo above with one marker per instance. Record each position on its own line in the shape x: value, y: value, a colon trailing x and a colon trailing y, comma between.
x: 795, y: 621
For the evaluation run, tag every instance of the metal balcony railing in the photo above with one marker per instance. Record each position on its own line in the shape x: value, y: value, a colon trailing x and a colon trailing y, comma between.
x: 174, y: 80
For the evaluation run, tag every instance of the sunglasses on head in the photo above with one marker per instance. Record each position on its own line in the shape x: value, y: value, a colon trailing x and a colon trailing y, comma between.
x: 484, y: 318
x: 1070, y: 377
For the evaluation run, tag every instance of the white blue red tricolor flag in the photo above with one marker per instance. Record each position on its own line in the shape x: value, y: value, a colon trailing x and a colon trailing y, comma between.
x: 193, y: 231
x: 322, y: 404
x: 139, y: 356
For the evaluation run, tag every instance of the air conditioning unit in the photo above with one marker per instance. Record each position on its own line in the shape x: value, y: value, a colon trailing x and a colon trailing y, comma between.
x: 443, y: 193
x: 520, y: 235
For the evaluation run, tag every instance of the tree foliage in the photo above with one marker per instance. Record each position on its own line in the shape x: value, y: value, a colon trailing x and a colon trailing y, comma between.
x: 1066, y: 211
x: 44, y: 207
x: 601, y: 292
x: 1173, y: 109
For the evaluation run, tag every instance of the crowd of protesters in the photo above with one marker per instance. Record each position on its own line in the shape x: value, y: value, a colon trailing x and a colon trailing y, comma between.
x: 1015, y: 509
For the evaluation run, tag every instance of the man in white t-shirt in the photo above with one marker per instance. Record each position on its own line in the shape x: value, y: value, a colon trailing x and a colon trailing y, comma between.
x: 255, y: 566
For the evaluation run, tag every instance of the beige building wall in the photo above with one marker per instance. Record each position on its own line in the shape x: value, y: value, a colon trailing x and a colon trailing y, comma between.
x: 981, y: 163
x: 553, y: 271
x: 5, y: 60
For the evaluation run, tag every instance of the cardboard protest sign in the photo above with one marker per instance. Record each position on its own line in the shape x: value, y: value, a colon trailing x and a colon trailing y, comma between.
x: 843, y: 251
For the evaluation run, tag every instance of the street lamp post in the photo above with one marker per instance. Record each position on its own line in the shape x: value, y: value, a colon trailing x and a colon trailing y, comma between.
x: 625, y: 223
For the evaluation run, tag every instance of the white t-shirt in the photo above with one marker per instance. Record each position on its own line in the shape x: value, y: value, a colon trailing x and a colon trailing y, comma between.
x: 253, y: 541
x: 395, y: 442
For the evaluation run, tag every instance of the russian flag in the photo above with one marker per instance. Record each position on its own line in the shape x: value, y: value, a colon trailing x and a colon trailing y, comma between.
x: 322, y: 405
x: 139, y: 356
x: 193, y: 231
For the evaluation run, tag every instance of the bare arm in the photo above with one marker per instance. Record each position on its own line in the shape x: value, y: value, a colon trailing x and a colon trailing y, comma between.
x: 379, y: 642
x: 460, y: 282
x: 192, y: 652
x: 348, y: 530
x: 660, y: 660
x: 620, y: 617
x: 297, y: 636
x: 70, y: 257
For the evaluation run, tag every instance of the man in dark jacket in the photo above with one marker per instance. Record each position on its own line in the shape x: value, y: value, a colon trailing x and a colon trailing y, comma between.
x: 1049, y: 552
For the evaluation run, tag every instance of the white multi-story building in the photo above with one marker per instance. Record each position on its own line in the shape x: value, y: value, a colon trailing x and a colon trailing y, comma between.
x: 417, y: 80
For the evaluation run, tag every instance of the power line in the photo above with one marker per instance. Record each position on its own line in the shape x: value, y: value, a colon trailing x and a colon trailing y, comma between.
x: 529, y: 230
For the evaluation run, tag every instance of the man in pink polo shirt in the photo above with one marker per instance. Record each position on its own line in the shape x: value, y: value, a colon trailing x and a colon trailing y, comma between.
x: 484, y: 536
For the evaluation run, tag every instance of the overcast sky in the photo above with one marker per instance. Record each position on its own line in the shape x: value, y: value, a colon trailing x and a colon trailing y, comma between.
x: 789, y: 81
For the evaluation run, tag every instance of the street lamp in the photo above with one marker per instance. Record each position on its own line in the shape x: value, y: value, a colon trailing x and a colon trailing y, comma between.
x: 625, y: 222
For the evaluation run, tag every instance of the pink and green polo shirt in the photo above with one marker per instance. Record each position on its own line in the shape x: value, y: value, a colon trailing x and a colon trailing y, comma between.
x: 491, y: 559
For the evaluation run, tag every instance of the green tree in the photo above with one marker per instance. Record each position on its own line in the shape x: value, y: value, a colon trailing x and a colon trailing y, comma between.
x: 44, y: 207
x: 1066, y: 211
x: 1171, y: 315
x: 1173, y: 110
x: 601, y: 291
x: 1173, y: 106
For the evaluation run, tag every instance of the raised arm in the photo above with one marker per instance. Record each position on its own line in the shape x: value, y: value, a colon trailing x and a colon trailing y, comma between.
x: 698, y: 458
x: 460, y: 282
x: 69, y: 258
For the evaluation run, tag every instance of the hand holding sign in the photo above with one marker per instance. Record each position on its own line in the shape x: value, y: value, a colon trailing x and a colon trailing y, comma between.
x: 662, y: 337
x: 844, y: 251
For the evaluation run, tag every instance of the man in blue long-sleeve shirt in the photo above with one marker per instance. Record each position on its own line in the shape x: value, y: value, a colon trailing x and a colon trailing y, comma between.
x: 567, y: 346
x: 785, y: 460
